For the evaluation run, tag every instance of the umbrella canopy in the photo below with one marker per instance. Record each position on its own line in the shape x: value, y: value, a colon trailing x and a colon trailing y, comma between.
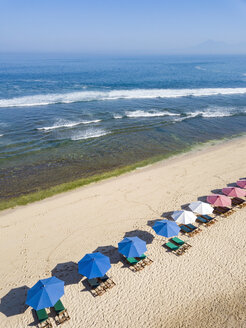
x: 234, y: 192
x: 219, y: 200
x: 94, y: 265
x: 45, y: 293
x: 166, y: 228
x: 242, y: 183
x: 184, y: 217
x: 132, y: 247
x: 201, y: 207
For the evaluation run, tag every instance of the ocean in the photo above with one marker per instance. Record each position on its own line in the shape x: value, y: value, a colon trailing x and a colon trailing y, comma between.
x: 65, y: 117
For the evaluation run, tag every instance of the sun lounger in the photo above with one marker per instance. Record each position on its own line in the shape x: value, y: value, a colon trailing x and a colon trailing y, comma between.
x: 61, y: 313
x: 208, y: 217
x: 185, y: 229
x: 225, y: 211
x: 236, y: 201
x: 138, y: 263
x: 177, y: 246
x: 193, y: 228
x: 44, y: 321
x: 183, y: 244
x: 96, y: 289
x: 106, y: 282
x: 132, y: 260
x: 171, y: 246
x: 205, y: 221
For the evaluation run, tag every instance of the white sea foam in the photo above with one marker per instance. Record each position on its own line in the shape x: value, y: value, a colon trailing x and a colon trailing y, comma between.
x: 47, y: 99
x: 200, y: 68
x: 66, y: 124
x: 89, y: 134
x: 117, y: 116
x: 141, y: 113
x: 1, y: 135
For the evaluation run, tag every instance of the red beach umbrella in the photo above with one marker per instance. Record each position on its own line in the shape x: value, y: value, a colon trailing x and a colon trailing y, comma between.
x: 219, y: 200
x: 241, y: 183
x: 234, y: 192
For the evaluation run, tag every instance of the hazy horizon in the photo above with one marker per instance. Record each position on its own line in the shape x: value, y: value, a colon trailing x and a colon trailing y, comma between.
x: 123, y: 27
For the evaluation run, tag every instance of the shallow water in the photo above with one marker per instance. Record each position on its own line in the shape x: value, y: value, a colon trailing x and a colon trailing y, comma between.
x: 66, y: 117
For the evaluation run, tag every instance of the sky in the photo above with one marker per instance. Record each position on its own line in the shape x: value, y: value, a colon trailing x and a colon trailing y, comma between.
x: 123, y: 26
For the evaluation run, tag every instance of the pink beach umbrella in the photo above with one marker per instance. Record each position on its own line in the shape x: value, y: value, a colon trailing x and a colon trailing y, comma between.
x: 219, y: 200
x: 234, y: 192
x: 241, y: 183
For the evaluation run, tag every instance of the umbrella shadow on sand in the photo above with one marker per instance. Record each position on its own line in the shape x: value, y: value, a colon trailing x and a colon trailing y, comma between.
x: 142, y: 234
x: 202, y: 198
x: 217, y: 191
x: 68, y: 272
x: 233, y: 184
x: 13, y: 303
x: 111, y: 252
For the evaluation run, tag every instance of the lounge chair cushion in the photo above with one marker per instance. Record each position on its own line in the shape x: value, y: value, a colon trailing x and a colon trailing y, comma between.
x: 42, y: 315
x: 132, y: 260
x: 172, y: 246
x: 59, y: 307
x: 191, y: 226
x: 178, y: 241
x: 199, y: 218
x: 184, y: 228
x: 93, y: 282
x: 142, y: 257
x: 208, y: 217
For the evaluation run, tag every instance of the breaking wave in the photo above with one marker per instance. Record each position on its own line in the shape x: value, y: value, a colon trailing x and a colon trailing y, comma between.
x: 141, y: 113
x: 66, y: 124
x: 89, y: 134
x: 48, y: 99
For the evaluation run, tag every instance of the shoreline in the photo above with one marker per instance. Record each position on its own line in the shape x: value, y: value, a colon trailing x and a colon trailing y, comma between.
x: 82, y: 182
x: 205, y: 287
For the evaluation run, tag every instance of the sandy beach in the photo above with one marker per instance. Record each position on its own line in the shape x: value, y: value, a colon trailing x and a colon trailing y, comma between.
x: 206, y: 287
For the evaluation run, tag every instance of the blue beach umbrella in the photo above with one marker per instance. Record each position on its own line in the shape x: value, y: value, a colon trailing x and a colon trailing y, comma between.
x: 166, y: 228
x: 132, y: 247
x: 45, y: 293
x: 94, y: 265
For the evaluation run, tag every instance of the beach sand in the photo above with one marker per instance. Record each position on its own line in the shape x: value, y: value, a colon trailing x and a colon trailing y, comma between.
x: 206, y: 287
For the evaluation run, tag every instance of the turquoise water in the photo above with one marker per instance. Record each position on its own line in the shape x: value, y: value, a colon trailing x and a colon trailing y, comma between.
x: 67, y: 117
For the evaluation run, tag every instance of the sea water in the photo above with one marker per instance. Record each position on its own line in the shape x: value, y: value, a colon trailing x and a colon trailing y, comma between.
x: 63, y: 117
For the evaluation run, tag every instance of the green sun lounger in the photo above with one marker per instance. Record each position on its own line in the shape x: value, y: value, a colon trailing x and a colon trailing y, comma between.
x: 61, y: 313
x: 177, y: 241
x: 59, y: 307
x: 172, y: 246
x: 93, y: 282
x: 142, y: 257
x: 42, y: 315
x: 132, y: 260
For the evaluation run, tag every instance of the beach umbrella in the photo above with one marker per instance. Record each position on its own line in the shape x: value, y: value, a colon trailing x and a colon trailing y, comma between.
x: 201, y: 207
x: 94, y: 265
x: 132, y: 247
x: 219, y: 200
x: 166, y: 228
x: 184, y: 217
x: 45, y: 293
x: 234, y: 192
x: 242, y: 183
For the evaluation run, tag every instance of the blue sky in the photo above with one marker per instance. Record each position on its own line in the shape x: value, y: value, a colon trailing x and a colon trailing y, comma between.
x: 119, y: 26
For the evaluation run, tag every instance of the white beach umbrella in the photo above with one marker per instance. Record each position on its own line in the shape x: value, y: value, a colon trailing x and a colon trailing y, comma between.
x: 184, y: 217
x: 201, y: 207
